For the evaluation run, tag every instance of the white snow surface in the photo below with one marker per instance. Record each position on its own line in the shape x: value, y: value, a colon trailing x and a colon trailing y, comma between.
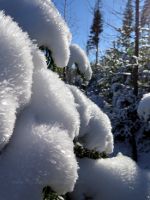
x: 79, y: 57
x: 40, y: 150
x: 39, y: 59
x: 43, y: 23
x: 52, y: 102
x: 144, y: 107
x: 37, y: 155
x: 117, y: 178
x: 16, y: 69
x: 38, y: 120
x: 95, y: 130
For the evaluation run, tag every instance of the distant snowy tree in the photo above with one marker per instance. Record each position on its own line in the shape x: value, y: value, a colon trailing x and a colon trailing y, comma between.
x: 127, y: 26
x: 95, y: 31
x: 145, y: 16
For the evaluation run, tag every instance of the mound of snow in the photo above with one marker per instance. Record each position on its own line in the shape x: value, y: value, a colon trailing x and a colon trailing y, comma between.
x: 52, y: 101
x: 38, y: 155
x: 16, y: 68
x: 113, y: 178
x: 95, y: 129
x: 144, y: 107
x: 43, y: 23
x: 78, y: 57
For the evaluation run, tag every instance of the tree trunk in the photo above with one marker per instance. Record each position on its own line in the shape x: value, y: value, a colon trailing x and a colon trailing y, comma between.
x: 65, y: 8
x: 135, y: 68
x: 134, y: 147
x: 97, y: 52
x: 135, y: 80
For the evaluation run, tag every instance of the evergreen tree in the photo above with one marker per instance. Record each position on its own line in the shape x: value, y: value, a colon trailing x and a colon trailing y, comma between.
x: 137, y: 38
x: 127, y: 27
x: 145, y: 16
x: 96, y: 30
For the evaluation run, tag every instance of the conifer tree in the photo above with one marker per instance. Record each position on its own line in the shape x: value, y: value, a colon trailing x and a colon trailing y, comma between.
x: 127, y: 27
x: 145, y: 16
x: 95, y: 30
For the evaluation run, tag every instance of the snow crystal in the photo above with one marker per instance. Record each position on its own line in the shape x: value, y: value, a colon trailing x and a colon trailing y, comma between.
x: 38, y: 155
x: 79, y: 57
x: 52, y: 101
x: 113, y: 178
x: 144, y: 107
x: 95, y: 130
x: 43, y: 23
x: 16, y: 69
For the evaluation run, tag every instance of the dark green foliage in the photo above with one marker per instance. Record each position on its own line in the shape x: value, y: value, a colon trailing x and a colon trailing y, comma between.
x: 51, y: 64
x: 82, y: 152
x: 49, y: 194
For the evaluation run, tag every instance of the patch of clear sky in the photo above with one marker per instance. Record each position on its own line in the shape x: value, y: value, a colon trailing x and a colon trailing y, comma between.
x: 79, y: 17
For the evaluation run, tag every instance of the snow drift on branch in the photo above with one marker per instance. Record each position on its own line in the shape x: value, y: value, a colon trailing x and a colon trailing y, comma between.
x: 79, y: 58
x: 52, y: 101
x: 16, y: 68
x: 95, y: 130
x: 113, y: 178
x: 38, y: 155
x: 144, y: 107
x: 40, y: 151
x: 43, y: 23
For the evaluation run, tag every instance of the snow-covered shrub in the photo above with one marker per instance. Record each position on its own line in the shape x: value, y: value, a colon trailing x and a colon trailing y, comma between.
x: 124, y: 111
x: 144, y: 132
x: 43, y: 23
x: 144, y: 107
x: 16, y: 69
x: 80, y: 59
x: 95, y: 131
x: 112, y: 178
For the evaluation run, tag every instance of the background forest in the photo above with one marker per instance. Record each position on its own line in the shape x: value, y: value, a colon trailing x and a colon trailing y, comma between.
x: 121, y: 75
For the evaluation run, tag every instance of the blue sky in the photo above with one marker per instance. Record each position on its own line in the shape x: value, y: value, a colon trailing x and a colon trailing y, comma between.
x: 79, y: 16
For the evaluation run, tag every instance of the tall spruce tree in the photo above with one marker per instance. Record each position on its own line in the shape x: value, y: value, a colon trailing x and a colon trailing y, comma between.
x: 127, y: 27
x: 95, y: 31
x: 145, y: 15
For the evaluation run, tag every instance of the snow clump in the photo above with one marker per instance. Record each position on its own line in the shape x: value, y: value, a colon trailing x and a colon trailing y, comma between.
x: 43, y: 23
x: 16, y: 68
x: 95, y: 130
x: 112, y: 178
x: 79, y: 58
x: 144, y: 107
x: 38, y: 155
x: 52, y: 101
